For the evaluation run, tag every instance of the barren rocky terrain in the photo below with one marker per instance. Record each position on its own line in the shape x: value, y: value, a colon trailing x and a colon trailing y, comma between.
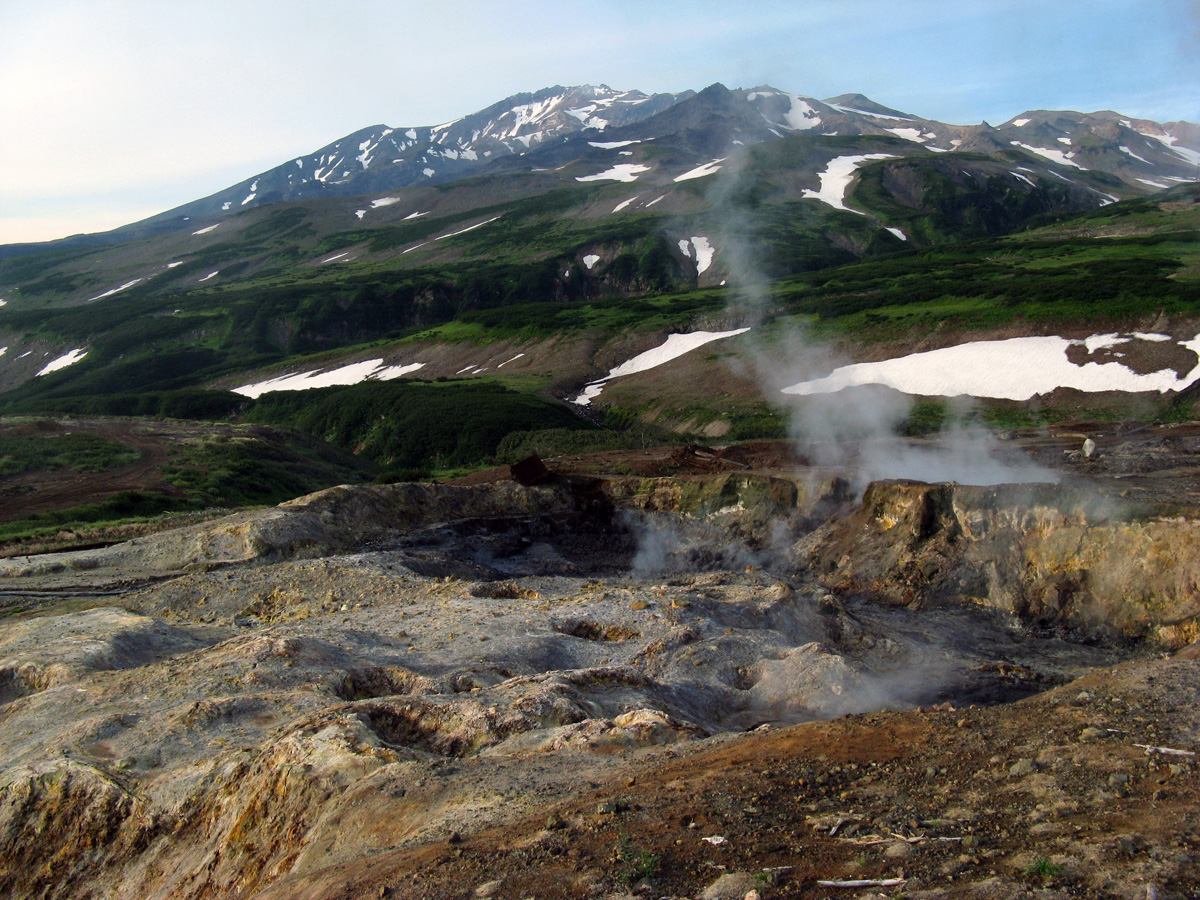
x: 681, y: 672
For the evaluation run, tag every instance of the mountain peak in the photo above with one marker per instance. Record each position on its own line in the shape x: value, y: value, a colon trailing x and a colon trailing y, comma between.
x: 862, y: 103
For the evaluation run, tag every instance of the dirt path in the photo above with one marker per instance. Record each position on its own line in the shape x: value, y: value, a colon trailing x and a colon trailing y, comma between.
x: 34, y: 492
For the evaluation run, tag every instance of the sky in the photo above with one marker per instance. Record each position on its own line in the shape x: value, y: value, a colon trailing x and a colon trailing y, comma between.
x: 114, y: 110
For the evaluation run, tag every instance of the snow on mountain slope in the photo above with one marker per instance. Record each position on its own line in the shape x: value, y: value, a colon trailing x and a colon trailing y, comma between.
x: 557, y: 126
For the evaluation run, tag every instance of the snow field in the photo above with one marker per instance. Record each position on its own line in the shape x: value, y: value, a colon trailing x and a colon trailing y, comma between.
x: 1012, y: 369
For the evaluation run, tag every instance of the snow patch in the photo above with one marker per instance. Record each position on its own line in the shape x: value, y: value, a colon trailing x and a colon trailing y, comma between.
x: 170, y: 265
x: 67, y: 359
x: 117, y: 290
x: 1186, y: 153
x: 416, y: 215
x: 1057, y: 156
x: 384, y: 201
x: 911, y: 134
x: 898, y: 233
x: 676, y: 345
x: 465, y: 230
x: 704, y: 253
x: 624, y: 203
x: 835, y: 180
x: 209, y: 228
x: 611, y: 145
x: 1020, y: 123
x: 354, y: 373
x: 1129, y: 152
x: 590, y: 260
x: 1028, y: 181
x: 1012, y: 369
x: 863, y: 112
x: 210, y: 275
x: 622, y: 172
x: 507, y: 361
x: 360, y: 213
x: 710, y: 168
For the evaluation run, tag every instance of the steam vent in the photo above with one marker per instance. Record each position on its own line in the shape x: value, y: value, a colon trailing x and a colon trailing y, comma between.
x: 718, y: 495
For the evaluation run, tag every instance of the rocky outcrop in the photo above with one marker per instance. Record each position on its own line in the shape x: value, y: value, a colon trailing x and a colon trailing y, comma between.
x: 330, y: 521
x: 1049, y: 553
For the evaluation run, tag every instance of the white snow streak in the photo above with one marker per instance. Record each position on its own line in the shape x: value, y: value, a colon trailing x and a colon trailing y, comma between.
x: 117, y: 290
x: 701, y: 171
x: 1057, y: 156
x: 624, y: 203
x: 210, y: 275
x: 1126, y: 150
x: 507, y: 361
x: 465, y: 230
x: 208, y: 229
x: 354, y: 373
x: 622, y: 172
x: 67, y: 359
x: 675, y: 346
x: 384, y: 201
x: 611, y: 145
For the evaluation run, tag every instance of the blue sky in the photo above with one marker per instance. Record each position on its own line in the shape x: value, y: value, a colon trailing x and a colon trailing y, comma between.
x: 113, y: 110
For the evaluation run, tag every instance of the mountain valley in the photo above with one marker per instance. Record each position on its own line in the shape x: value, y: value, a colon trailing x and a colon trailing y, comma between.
x: 611, y: 494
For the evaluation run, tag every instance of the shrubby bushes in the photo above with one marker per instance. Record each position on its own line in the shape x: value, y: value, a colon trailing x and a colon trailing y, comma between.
x: 415, y: 425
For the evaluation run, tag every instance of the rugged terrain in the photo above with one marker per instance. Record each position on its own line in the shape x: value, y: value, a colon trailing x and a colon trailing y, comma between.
x: 614, y: 681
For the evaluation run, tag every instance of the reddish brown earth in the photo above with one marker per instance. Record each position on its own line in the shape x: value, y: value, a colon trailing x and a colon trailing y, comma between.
x: 1049, y: 797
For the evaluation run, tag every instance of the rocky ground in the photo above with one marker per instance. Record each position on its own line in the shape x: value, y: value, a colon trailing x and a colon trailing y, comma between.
x: 707, y: 674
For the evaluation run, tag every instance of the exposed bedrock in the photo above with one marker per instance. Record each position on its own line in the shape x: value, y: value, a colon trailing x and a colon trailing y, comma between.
x: 1046, y: 552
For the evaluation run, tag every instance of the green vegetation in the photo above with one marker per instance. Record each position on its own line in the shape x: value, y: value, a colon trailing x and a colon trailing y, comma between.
x: 635, y: 862
x: 78, y: 452
x: 259, y: 466
x: 1041, y: 867
x: 415, y: 425
x: 124, y: 507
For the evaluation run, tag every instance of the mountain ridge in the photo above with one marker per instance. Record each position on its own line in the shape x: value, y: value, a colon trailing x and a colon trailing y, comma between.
x: 380, y: 158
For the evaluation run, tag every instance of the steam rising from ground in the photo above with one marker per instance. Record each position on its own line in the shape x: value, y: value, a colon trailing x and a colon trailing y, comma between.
x: 855, y: 428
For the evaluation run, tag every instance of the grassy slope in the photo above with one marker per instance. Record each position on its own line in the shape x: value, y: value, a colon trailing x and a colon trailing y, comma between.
x: 154, y: 346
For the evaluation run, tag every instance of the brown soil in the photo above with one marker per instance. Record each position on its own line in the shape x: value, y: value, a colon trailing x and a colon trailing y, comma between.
x: 1050, y: 797
x: 33, y: 492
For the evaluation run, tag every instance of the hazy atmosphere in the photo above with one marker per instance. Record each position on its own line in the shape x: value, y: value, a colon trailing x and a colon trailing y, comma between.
x: 114, y: 111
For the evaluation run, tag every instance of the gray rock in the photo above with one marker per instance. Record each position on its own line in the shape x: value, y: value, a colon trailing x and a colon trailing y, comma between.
x: 730, y: 886
x: 1023, y: 767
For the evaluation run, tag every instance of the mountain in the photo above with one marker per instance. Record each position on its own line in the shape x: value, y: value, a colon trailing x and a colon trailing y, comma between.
x: 557, y: 125
x: 594, y: 221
